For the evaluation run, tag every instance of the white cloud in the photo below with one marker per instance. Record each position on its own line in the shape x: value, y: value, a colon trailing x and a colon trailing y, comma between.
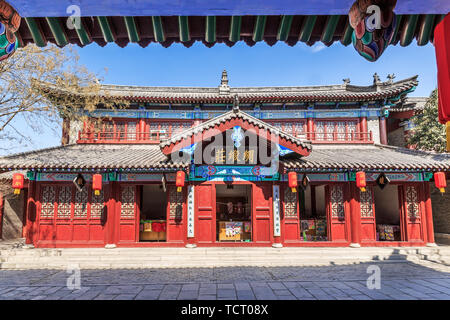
x: 319, y: 46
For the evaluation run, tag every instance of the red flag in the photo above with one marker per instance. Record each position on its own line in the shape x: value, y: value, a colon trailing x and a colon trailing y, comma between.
x: 442, y: 46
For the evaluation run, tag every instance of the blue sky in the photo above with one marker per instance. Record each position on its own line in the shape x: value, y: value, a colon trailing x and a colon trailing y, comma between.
x: 260, y: 65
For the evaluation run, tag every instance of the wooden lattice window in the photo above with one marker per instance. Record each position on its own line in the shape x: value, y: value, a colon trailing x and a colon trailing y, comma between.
x: 412, y: 201
x: 337, y: 201
x: 48, y: 202
x: 176, y: 204
x: 97, y: 205
x: 127, y: 201
x: 81, y: 201
x: 366, y: 202
x: 64, y: 200
x: 336, y: 130
x: 290, y: 203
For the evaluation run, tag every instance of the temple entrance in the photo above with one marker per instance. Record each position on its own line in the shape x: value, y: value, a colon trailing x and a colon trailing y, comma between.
x: 313, y: 216
x: 387, y: 213
x: 153, y: 213
x: 233, y: 213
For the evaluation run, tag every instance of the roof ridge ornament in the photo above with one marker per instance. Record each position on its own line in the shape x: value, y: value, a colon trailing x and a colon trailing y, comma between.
x: 224, y: 88
x: 236, y: 104
x: 390, y: 78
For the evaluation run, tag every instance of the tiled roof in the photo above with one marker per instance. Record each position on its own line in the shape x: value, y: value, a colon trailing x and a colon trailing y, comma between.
x: 91, y: 157
x: 86, y: 157
x: 8, y: 175
x: 375, y: 157
x: 411, y: 103
x: 326, y: 93
x: 230, y: 115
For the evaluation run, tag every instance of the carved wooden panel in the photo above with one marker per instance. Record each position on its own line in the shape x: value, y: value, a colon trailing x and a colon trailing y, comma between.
x: 48, y: 202
x: 176, y: 204
x: 64, y: 199
x: 97, y: 205
x: 366, y: 202
x: 81, y: 201
x: 337, y: 201
x: 412, y: 201
x: 290, y: 203
x: 127, y: 201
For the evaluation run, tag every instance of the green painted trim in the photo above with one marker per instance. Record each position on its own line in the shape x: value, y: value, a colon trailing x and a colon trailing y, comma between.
x: 84, y: 37
x: 210, y: 32
x: 307, y: 28
x: 347, y: 37
x: 330, y: 28
x: 397, y: 27
x: 425, y: 31
x: 427, y: 176
x: 158, y: 30
x: 57, y: 31
x: 35, y: 32
x: 260, y: 26
x: 408, y: 34
x: 131, y: 29
x: 106, y: 29
x: 31, y: 175
x: 183, y: 26
x: 285, y: 27
x: 235, y: 28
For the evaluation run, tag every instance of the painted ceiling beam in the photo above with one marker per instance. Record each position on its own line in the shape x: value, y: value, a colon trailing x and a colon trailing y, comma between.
x: 57, y: 31
x: 235, y: 28
x: 285, y: 27
x: 158, y: 30
x: 408, y: 34
x: 106, y: 29
x: 346, y: 39
x: 183, y: 24
x: 58, y: 8
x: 36, y: 33
x: 260, y: 26
x: 330, y: 28
x: 425, y: 30
x: 307, y: 28
x: 83, y: 35
x: 131, y: 29
x: 210, y: 32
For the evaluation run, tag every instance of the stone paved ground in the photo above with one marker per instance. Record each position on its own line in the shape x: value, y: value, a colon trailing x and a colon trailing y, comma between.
x: 405, y: 280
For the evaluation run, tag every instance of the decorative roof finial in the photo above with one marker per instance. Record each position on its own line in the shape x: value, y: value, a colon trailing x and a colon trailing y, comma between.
x: 391, y: 78
x: 224, y: 88
x: 236, y: 104
x: 346, y: 81
x: 376, y: 79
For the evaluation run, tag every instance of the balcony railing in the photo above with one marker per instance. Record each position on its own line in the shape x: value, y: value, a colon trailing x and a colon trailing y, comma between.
x: 156, y: 136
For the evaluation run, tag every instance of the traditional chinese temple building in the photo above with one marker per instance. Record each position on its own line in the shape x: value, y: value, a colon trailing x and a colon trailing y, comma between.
x: 218, y: 166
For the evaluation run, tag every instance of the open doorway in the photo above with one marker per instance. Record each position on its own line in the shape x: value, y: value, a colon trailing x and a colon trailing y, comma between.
x: 234, y: 213
x: 313, y: 217
x: 153, y: 217
x: 387, y: 213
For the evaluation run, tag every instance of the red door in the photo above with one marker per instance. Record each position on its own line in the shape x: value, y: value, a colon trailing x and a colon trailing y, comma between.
x: 262, y: 212
x: 290, y: 215
x: 336, y: 212
x: 176, y: 215
x: 413, y: 212
x: 367, y: 211
x: 128, y: 205
x: 205, y: 213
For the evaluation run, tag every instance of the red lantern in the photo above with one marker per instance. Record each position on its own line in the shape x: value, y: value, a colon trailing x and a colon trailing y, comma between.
x: 361, y: 180
x: 293, y: 181
x: 17, y: 182
x: 97, y: 184
x: 440, y: 181
x: 180, y: 180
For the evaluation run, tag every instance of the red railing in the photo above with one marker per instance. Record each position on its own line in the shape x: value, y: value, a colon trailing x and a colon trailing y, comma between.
x: 339, y: 137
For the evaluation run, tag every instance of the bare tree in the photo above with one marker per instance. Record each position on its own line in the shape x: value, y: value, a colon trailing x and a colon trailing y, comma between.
x: 38, y: 87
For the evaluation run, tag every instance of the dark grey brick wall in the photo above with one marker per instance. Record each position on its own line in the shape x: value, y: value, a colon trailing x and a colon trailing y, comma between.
x: 12, y: 216
x: 441, y: 209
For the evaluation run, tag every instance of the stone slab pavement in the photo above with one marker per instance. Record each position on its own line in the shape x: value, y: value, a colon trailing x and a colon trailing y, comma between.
x: 399, y: 281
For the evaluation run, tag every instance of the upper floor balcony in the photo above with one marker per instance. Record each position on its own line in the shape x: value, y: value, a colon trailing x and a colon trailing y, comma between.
x: 153, y: 132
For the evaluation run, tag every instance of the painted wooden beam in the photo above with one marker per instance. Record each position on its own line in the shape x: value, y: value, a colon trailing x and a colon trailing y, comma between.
x: 330, y: 28
x: 183, y: 26
x: 83, y: 35
x: 35, y: 31
x: 410, y: 28
x: 235, y: 28
x: 307, y: 28
x: 106, y: 29
x: 260, y: 26
x: 131, y: 29
x: 158, y: 30
x: 397, y: 28
x: 425, y: 30
x: 57, y: 31
x: 346, y: 38
x: 210, y: 32
x: 285, y: 27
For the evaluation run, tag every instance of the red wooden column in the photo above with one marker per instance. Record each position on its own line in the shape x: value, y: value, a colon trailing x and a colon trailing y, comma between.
x: 355, y: 217
x: 363, y: 127
x: 442, y: 46
x: 383, y: 131
x: 428, y: 215
x: 111, y: 219
x: 310, y: 129
x: 31, y: 212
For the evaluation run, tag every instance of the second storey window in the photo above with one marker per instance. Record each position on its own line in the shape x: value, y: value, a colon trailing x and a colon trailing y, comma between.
x: 335, y: 130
